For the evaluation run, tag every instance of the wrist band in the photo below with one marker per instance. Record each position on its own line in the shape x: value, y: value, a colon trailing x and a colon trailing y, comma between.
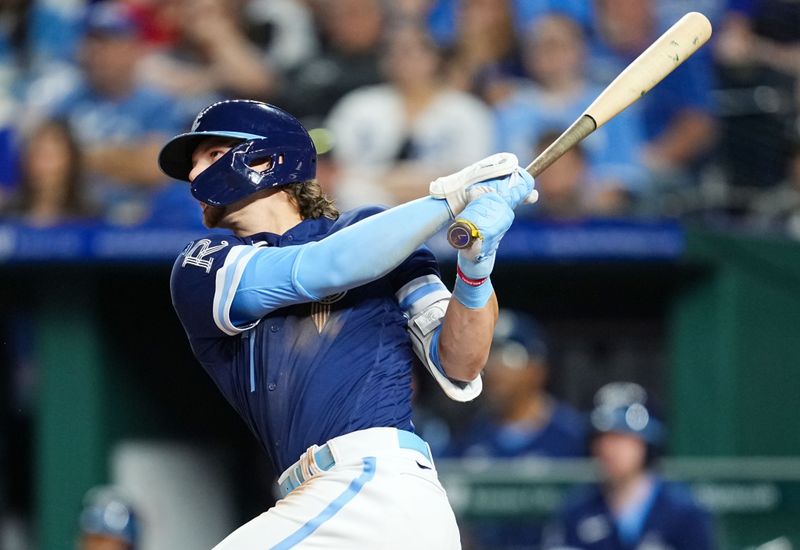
x: 473, y: 297
x: 470, y: 282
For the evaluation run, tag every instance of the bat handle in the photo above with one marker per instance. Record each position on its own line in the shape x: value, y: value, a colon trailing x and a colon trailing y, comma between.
x: 461, y: 233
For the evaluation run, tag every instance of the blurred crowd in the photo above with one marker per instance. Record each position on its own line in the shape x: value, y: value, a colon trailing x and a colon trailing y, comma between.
x: 401, y: 92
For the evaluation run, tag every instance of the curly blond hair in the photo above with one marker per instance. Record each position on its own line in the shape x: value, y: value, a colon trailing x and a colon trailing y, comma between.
x: 311, y: 201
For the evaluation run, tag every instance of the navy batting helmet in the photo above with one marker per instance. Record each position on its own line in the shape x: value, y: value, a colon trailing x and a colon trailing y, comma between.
x: 623, y: 407
x: 106, y: 512
x: 268, y: 134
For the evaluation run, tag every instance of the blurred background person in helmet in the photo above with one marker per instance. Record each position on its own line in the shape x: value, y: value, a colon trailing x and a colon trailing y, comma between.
x: 632, y: 506
x: 520, y: 417
x: 107, y: 521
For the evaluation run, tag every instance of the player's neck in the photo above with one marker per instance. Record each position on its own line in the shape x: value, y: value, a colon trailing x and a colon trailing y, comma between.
x: 273, y: 213
x: 622, y: 492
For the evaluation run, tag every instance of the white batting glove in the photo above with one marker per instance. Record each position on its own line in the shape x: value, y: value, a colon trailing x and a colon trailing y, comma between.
x: 515, y: 188
x: 498, y: 173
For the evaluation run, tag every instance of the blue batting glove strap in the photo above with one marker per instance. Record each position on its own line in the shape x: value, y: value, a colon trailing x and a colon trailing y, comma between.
x: 473, y: 297
x: 514, y: 188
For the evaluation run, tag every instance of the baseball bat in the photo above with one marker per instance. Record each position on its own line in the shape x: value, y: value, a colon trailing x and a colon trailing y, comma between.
x: 663, y: 56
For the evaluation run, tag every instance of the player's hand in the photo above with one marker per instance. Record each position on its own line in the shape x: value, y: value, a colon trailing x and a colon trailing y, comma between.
x: 513, y: 188
x: 492, y: 216
x: 500, y: 173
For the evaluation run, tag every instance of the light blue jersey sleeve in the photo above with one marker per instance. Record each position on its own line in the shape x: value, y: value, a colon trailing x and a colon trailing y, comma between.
x: 259, y: 280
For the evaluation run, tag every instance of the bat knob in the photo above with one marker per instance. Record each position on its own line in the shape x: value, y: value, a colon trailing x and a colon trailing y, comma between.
x: 462, y: 233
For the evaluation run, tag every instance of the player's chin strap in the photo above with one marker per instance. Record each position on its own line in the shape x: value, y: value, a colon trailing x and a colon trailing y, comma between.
x: 424, y: 329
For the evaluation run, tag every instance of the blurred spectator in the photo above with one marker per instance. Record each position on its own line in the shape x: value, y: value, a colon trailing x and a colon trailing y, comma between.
x: 53, y: 30
x: 758, y: 53
x: 485, y: 50
x: 119, y: 125
x: 779, y: 208
x: 13, y: 17
x: 108, y: 521
x: 211, y: 58
x: 764, y: 32
x: 393, y: 139
x: 283, y: 29
x: 563, y: 186
x: 51, y: 190
x: 351, y: 33
x: 554, y: 53
x: 633, y: 507
x: 442, y: 15
x: 8, y: 152
x: 520, y: 419
x: 676, y: 114
x: 527, y: 11
x: 410, y: 11
x: 12, y: 30
x: 567, y: 191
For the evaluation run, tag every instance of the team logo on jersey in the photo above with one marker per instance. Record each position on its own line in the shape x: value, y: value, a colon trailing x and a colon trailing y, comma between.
x: 195, y: 253
x: 321, y: 311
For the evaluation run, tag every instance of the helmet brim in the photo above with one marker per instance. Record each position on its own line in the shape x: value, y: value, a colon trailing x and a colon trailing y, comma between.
x: 175, y: 158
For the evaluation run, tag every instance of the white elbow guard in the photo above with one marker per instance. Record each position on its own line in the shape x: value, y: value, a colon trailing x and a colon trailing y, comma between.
x: 422, y: 327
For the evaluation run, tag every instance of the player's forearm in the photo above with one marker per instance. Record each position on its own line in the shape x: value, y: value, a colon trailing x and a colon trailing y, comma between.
x: 133, y: 164
x: 237, y: 66
x: 466, y: 338
x: 690, y: 135
x: 369, y: 249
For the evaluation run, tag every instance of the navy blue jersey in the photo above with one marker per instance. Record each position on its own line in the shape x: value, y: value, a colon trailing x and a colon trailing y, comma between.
x: 563, y: 436
x: 310, y: 371
x: 674, y: 521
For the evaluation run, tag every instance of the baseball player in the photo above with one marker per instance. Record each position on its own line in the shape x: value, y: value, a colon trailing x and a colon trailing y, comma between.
x: 308, y: 321
x: 107, y: 521
x: 633, y: 508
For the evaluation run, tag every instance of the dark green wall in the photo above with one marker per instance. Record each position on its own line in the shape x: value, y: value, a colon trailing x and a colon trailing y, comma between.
x: 735, y: 348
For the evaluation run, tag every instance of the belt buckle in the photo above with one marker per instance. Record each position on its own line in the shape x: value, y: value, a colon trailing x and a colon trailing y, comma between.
x: 308, y: 464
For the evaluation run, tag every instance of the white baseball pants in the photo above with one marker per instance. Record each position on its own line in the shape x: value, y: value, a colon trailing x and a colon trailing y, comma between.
x: 377, y: 495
